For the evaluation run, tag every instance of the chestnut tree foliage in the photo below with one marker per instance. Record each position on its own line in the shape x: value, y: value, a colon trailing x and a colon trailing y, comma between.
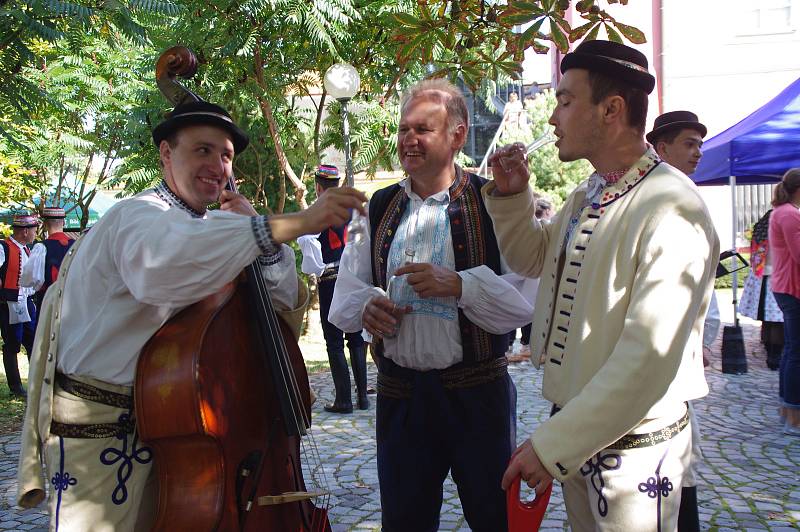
x: 79, y: 98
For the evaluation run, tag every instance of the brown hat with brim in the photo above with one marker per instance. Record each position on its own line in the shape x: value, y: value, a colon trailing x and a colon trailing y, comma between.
x: 675, y: 120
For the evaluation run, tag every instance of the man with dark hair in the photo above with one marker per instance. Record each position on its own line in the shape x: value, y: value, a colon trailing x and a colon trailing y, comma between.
x: 17, y: 310
x: 423, y: 280
x: 321, y: 254
x: 677, y: 137
x: 146, y: 259
x: 626, y: 269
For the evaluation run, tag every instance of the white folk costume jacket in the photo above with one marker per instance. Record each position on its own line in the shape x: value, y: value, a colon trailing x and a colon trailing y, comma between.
x: 619, y: 314
x: 150, y: 256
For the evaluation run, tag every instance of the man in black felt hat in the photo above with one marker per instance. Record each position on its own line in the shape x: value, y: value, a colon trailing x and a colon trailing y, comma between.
x: 148, y: 257
x: 626, y: 270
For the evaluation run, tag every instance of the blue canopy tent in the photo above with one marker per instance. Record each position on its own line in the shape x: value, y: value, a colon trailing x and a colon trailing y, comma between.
x: 759, y: 149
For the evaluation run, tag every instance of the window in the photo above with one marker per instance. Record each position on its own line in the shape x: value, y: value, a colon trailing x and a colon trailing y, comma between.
x: 766, y: 16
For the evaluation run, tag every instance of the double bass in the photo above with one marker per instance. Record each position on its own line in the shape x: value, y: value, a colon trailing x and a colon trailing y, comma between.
x: 223, y: 400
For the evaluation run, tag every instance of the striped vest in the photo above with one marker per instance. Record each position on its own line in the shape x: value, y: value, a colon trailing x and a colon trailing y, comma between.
x: 474, y: 244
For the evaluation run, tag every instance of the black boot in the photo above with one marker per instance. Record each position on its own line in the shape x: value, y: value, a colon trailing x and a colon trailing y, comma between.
x: 343, y: 402
x: 358, y: 360
x: 12, y: 374
x: 688, y: 517
x: 774, y: 356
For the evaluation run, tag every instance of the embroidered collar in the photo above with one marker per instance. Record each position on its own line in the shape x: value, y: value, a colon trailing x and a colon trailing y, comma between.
x: 631, y: 178
x: 165, y: 193
x: 613, y: 177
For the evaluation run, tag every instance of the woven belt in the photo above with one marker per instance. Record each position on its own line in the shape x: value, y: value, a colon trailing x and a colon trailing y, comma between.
x: 649, y: 439
x: 329, y: 274
x: 459, y: 377
x: 97, y: 395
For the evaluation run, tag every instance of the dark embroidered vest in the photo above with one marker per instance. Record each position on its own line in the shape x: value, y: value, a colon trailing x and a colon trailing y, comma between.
x: 10, y: 271
x: 57, y: 246
x: 332, y: 241
x: 474, y: 244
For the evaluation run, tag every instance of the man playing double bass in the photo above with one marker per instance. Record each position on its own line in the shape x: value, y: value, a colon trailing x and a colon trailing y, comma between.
x: 146, y: 259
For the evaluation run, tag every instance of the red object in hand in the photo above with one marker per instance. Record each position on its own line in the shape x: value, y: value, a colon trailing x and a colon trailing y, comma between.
x: 525, y: 516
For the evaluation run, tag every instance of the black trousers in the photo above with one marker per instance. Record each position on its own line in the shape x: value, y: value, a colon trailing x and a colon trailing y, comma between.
x: 14, y: 337
x: 469, y: 433
x: 334, y: 341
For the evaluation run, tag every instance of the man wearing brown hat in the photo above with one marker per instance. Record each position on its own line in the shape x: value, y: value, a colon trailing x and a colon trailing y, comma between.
x: 17, y: 310
x: 41, y: 271
x: 677, y: 137
x: 626, y: 270
x: 146, y: 259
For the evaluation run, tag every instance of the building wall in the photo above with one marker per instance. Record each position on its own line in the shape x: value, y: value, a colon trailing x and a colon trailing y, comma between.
x: 723, y: 59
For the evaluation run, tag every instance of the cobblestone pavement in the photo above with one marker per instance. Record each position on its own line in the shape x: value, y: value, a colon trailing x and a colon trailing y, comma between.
x: 749, y: 481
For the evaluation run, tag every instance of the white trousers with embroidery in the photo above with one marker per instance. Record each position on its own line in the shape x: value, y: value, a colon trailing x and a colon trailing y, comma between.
x: 97, y: 484
x: 630, y: 490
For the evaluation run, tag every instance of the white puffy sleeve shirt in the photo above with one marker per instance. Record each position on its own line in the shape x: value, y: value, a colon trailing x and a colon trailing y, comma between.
x: 429, y: 336
x: 145, y: 260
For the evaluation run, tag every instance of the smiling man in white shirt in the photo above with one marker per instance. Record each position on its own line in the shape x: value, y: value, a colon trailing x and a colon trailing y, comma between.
x: 445, y: 400
x: 149, y: 257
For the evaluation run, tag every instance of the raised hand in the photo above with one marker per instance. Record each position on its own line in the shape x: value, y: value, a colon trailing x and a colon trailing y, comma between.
x: 333, y: 207
x: 510, y: 169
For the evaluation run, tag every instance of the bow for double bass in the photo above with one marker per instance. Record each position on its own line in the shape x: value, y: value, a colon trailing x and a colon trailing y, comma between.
x: 222, y: 397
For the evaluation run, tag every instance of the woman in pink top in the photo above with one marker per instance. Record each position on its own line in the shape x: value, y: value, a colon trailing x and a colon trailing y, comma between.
x: 784, y: 238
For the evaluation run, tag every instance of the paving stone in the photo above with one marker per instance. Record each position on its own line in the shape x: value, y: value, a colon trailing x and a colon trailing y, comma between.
x: 750, y: 478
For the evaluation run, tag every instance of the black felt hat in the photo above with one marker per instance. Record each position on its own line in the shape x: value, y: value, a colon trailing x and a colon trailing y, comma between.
x: 612, y: 59
x: 200, y: 113
x: 675, y: 120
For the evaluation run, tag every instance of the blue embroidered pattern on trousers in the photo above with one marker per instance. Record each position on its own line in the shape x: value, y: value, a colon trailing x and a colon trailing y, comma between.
x: 111, y: 456
x: 61, y: 480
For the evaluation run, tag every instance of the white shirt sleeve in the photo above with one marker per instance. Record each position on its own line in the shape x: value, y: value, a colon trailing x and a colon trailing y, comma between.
x: 33, y: 271
x: 353, y: 288
x: 492, y: 302
x: 313, y: 264
x: 281, y: 279
x: 168, y: 258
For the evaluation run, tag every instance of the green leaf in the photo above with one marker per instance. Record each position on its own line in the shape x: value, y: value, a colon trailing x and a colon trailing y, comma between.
x: 634, y: 35
x: 408, y: 20
x: 559, y: 39
x: 580, y: 31
x: 612, y: 34
x: 592, y: 35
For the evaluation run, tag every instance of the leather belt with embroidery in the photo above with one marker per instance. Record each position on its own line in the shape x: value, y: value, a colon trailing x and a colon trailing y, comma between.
x: 637, y: 441
x: 96, y: 395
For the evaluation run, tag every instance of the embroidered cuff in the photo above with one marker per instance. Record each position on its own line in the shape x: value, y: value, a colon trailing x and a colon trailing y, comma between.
x: 263, y: 235
x: 271, y: 260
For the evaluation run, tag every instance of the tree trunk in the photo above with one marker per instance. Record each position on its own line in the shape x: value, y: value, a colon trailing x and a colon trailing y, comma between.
x: 283, y: 161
